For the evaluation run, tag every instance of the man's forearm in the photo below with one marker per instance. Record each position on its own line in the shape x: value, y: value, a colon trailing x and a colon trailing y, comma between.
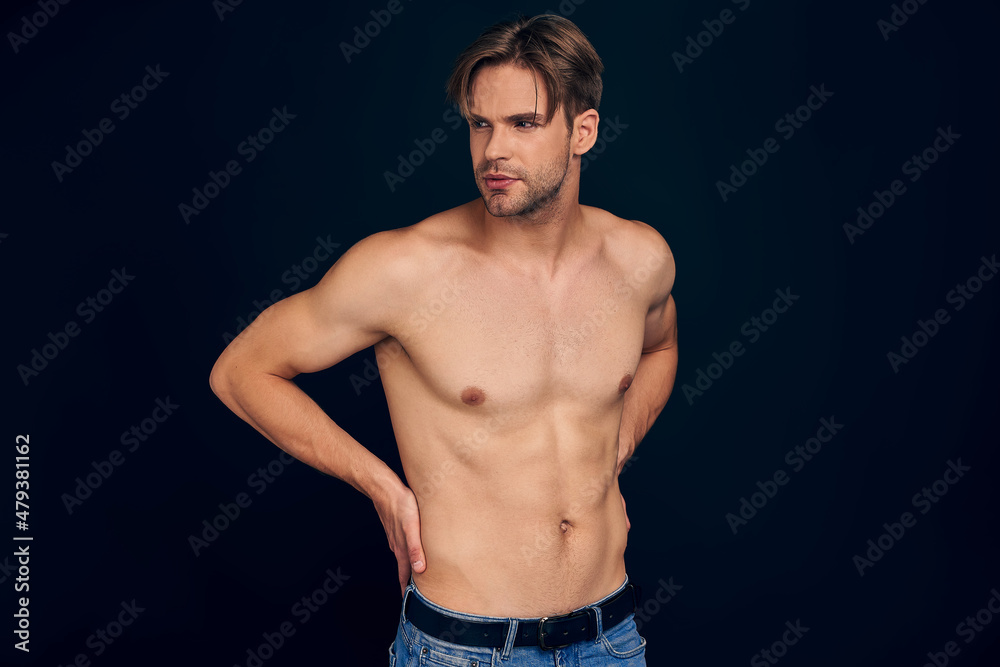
x: 645, y: 398
x: 286, y: 416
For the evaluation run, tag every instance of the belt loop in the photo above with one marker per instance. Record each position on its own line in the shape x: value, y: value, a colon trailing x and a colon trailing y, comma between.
x: 406, y: 598
x: 508, y: 645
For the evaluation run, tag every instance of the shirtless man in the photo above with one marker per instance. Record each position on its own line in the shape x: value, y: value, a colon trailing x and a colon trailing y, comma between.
x: 526, y: 343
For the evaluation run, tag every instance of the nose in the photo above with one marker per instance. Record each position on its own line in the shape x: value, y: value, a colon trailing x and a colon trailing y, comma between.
x: 498, y: 146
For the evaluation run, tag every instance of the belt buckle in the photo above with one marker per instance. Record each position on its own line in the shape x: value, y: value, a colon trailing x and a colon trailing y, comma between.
x: 541, y: 623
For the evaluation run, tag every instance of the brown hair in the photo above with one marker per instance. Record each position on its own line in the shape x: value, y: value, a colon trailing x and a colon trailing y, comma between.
x: 549, y: 45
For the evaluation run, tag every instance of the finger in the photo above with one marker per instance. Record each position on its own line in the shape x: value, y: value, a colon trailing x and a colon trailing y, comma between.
x: 415, y: 549
x: 417, y: 561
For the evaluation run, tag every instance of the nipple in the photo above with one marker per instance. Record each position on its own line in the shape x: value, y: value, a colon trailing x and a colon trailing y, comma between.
x: 473, y: 396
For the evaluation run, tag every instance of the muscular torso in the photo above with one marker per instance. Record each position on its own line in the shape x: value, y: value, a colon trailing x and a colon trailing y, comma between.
x: 506, y: 393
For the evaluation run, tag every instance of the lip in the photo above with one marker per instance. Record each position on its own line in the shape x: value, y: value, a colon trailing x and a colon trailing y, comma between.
x: 499, y: 181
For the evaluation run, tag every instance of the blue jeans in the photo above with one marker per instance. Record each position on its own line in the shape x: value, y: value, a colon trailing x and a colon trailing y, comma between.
x: 620, y: 646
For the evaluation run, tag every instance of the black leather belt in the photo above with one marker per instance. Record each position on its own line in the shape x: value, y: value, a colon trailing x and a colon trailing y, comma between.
x: 546, y: 633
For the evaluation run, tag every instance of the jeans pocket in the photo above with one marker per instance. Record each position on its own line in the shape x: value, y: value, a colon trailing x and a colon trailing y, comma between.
x: 623, y: 640
x: 435, y: 652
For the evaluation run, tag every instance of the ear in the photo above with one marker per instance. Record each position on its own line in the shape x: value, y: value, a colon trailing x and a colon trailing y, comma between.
x: 584, y: 131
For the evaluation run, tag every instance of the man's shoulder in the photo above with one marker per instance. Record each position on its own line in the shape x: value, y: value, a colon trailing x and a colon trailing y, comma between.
x: 439, y: 229
x: 407, y: 253
x: 639, y: 251
x: 631, y: 240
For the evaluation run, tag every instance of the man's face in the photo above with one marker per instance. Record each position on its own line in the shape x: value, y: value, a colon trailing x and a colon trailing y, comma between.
x: 507, y: 139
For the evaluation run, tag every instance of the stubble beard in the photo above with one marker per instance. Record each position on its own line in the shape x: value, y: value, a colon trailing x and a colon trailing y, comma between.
x: 540, y: 189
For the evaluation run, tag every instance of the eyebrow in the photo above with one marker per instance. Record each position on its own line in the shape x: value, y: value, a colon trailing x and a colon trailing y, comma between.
x: 530, y: 117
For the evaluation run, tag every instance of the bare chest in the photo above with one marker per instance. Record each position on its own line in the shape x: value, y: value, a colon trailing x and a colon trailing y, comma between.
x: 475, y: 338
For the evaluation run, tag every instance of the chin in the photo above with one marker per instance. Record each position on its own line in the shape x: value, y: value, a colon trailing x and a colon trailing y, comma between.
x: 500, y: 209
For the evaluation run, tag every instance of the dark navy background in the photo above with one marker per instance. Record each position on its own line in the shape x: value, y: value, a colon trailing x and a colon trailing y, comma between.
x: 322, y: 181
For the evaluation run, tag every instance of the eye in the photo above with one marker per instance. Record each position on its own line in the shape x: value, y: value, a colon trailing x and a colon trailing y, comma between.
x: 527, y: 124
x: 477, y: 124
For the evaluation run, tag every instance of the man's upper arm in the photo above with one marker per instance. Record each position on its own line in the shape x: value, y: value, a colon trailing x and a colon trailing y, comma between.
x: 661, y: 319
x: 350, y: 309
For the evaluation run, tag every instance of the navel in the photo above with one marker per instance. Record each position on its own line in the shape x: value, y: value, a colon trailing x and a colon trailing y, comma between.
x: 625, y: 383
x: 565, y: 525
x: 473, y: 396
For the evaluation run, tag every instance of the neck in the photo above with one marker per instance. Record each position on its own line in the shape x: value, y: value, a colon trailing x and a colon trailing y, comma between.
x: 537, y: 243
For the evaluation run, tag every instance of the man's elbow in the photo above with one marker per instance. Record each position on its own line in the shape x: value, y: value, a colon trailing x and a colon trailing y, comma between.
x: 236, y: 375
x: 220, y: 379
